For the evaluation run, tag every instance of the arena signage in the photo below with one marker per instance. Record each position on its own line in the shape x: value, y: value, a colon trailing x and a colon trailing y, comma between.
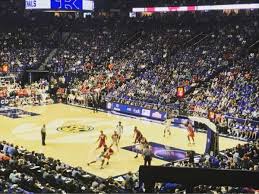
x: 4, y: 101
x: 76, y: 5
x: 196, y: 8
x: 136, y: 110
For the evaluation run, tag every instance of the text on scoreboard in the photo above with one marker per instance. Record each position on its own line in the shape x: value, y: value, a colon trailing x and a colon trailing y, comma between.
x: 79, y: 5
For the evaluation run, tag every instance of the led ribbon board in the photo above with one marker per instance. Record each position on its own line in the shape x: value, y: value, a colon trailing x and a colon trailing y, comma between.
x: 77, y: 5
x: 196, y: 8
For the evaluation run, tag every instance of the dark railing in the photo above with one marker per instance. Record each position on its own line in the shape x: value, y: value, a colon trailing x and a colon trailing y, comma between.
x: 190, y: 177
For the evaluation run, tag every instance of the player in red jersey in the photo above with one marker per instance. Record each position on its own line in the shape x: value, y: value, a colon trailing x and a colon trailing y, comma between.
x: 100, y: 157
x: 190, y: 132
x: 137, y: 134
x: 102, y: 138
x: 107, y: 156
x: 141, y: 145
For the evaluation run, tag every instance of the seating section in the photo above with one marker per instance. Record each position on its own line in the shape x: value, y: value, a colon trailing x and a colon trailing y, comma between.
x: 25, y: 171
x: 215, y: 51
x: 233, y: 92
x: 243, y: 157
x: 143, y: 62
x: 24, y: 48
x: 134, y: 61
x: 36, y: 93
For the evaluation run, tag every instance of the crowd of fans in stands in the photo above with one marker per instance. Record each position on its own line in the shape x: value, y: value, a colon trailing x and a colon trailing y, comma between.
x: 22, y: 49
x: 233, y: 92
x: 245, y: 157
x: 23, y: 171
x: 143, y: 62
x: 242, y: 157
x: 36, y: 93
x: 88, y: 66
x: 147, y: 70
x: 221, y: 48
x: 139, y: 62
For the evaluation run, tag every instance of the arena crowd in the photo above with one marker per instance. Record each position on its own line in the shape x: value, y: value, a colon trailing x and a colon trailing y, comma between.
x: 141, y: 62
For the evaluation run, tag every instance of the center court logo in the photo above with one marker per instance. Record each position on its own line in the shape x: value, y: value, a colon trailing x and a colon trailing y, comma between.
x: 75, y: 128
x: 62, y: 130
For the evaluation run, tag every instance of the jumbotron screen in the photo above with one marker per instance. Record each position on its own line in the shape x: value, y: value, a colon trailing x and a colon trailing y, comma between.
x: 66, y: 5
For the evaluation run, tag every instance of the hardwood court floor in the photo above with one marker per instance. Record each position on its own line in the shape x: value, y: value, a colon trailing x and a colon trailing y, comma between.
x: 78, y: 148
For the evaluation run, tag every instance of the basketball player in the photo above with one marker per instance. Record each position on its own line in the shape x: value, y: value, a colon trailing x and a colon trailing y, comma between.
x: 167, y: 124
x: 190, y: 132
x: 137, y: 134
x: 100, y: 157
x: 140, y: 147
x: 119, y: 129
x: 115, y: 139
x: 43, y: 135
x: 107, y: 156
x: 102, y: 138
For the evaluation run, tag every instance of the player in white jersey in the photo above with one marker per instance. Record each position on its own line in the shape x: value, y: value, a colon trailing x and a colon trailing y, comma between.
x: 115, y: 139
x: 119, y: 130
x: 167, y: 124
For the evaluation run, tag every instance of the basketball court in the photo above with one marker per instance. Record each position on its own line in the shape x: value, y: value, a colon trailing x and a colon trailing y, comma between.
x: 72, y: 133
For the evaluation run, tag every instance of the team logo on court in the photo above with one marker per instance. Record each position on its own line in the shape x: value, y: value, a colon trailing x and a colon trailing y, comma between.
x: 73, y: 127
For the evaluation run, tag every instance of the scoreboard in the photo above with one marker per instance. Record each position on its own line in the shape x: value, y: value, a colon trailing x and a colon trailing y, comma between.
x: 66, y: 5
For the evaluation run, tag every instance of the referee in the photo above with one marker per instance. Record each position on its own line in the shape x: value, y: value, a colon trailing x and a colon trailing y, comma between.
x: 147, y: 154
x: 43, y: 135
